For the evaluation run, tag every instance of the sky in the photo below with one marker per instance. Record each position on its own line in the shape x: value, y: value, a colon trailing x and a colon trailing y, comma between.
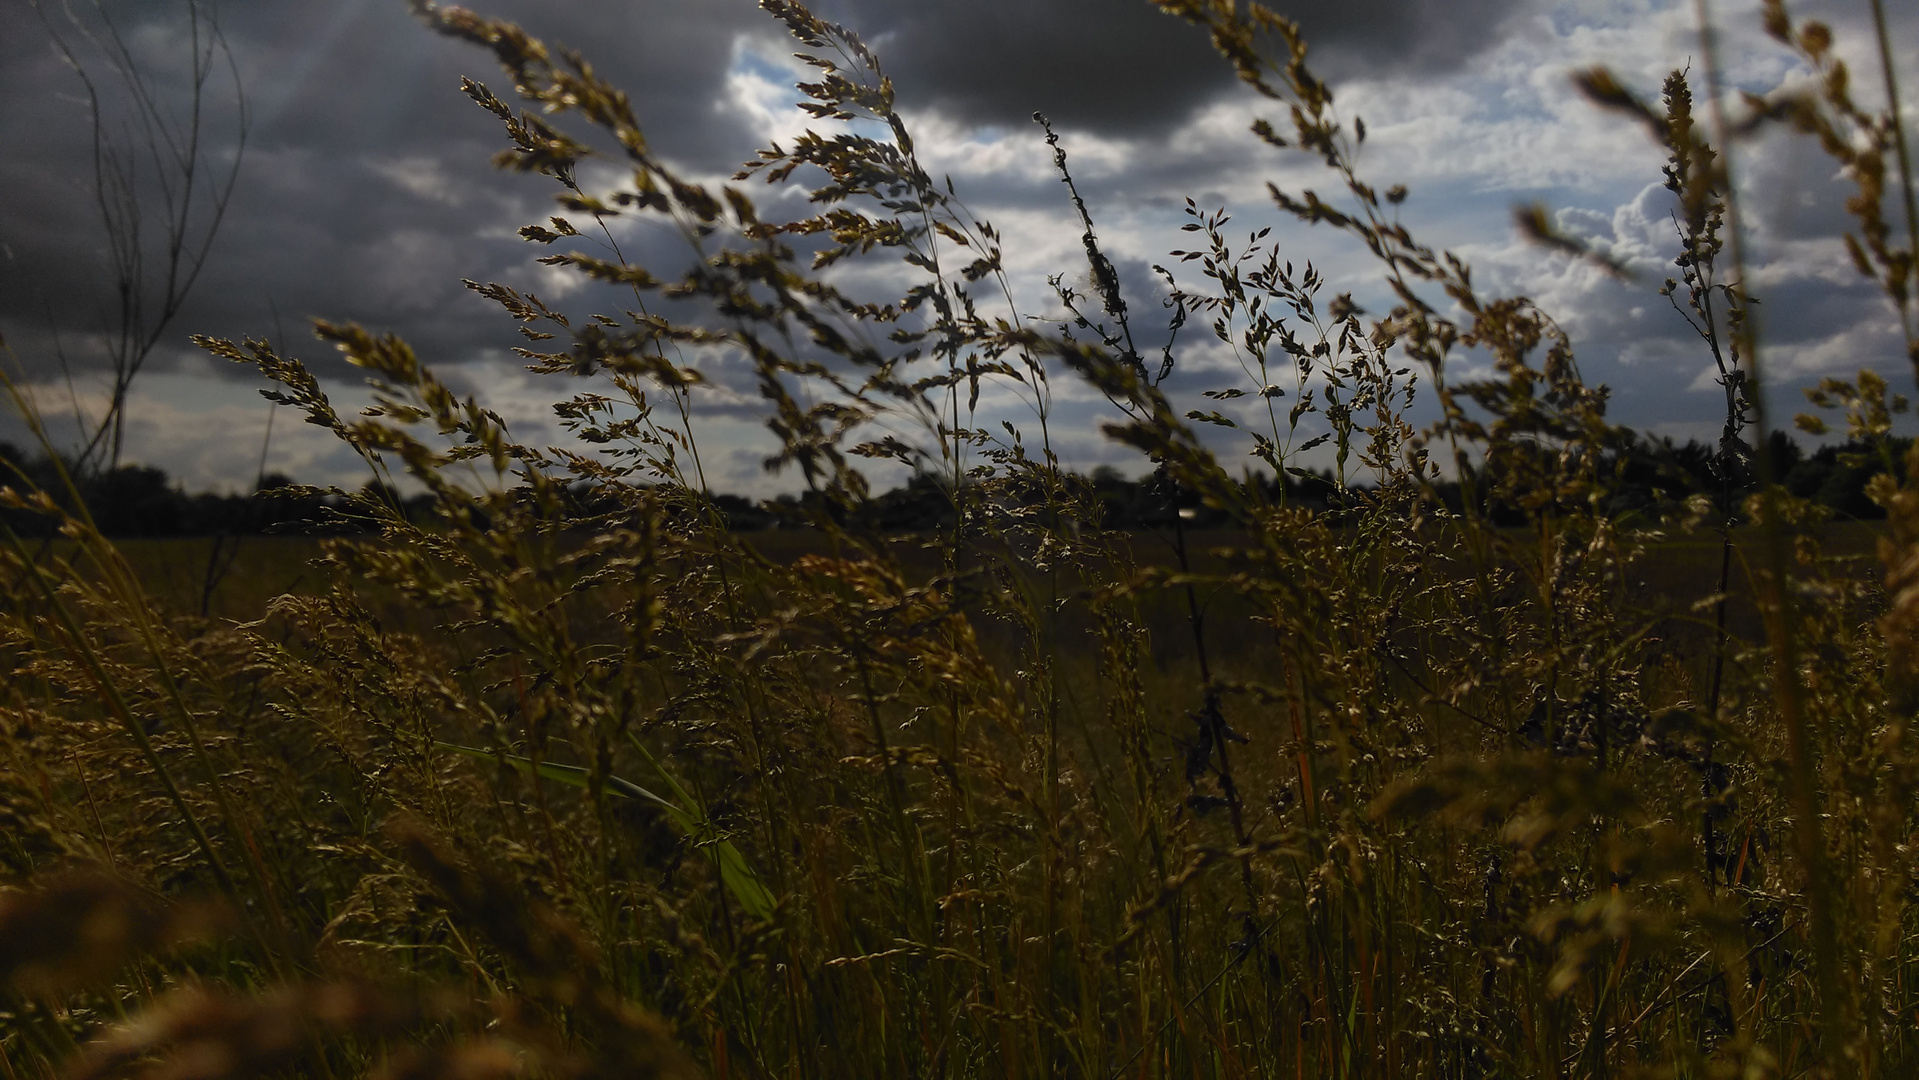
x: 364, y: 192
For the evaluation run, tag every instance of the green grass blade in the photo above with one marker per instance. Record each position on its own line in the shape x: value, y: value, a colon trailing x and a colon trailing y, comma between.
x: 735, y: 872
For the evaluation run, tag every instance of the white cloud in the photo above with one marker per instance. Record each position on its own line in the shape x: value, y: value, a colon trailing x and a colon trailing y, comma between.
x: 420, y: 175
x: 1869, y: 343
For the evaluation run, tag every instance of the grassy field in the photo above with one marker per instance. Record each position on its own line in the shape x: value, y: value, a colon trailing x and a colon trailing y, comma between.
x: 234, y: 578
x: 577, y: 783
x: 1059, y: 771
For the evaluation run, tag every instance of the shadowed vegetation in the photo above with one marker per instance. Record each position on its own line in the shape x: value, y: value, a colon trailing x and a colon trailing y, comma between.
x: 1487, y: 753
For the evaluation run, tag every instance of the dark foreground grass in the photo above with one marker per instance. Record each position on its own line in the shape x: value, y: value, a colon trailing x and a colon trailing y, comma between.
x: 576, y: 782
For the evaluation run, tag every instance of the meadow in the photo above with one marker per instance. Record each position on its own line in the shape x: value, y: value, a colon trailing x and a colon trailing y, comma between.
x: 1470, y: 769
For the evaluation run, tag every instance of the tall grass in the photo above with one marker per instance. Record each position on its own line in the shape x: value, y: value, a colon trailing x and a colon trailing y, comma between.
x: 577, y: 782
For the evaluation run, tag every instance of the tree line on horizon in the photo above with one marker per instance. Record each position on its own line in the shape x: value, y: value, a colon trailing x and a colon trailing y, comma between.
x: 134, y: 501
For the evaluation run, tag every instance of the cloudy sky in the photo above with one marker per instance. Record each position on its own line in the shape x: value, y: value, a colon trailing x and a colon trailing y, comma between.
x: 364, y: 192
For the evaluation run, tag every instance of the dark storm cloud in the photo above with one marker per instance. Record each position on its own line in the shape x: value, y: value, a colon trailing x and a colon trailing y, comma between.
x: 366, y: 193
x: 365, y: 186
x: 1122, y: 65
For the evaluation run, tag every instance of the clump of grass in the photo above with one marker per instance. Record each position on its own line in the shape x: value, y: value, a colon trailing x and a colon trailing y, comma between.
x: 578, y: 782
